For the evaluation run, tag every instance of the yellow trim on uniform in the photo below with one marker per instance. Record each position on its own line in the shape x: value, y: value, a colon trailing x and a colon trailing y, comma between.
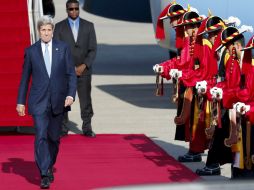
x: 238, y: 147
x: 252, y: 62
x: 207, y: 114
x: 195, y: 119
x: 226, y: 58
x: 207, y: 43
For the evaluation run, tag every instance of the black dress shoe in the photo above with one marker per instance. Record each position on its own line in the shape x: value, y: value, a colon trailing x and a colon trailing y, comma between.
x: 190, y: 157
x: 206, y: 171
x: 89, y: 134
x: 45, y: 182
x: 51, y: 175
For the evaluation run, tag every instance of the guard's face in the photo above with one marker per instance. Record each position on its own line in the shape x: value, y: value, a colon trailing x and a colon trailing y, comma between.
x: 237, y: 47
x: 73, y: 10
x: 212, y: 36
x: 174, y: 21
x: 230, y: 48
x: 46, y: 33
x: 191, y: 29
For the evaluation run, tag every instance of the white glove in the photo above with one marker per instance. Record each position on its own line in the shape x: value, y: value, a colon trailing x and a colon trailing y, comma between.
x: 157, y: 68
x: 175, y: 73
x: 172, y: 72
x: 241, y: 108
x: 178, y: 74
x: 201, y: 87
x: 216, y: 93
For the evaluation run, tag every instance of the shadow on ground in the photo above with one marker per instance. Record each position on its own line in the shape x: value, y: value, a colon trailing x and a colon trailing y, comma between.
x: 128, y: 59
x: 74, y: 127
x: 141, y: 95
x: 175, y: 150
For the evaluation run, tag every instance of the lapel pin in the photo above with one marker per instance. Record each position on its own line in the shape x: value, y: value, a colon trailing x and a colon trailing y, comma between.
x: 56, y: 49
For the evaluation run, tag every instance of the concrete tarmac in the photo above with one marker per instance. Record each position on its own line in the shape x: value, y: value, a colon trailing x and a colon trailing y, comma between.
x: 123, y: 87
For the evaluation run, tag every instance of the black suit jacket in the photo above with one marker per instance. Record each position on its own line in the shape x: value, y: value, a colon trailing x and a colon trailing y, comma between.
x: 84, y: 50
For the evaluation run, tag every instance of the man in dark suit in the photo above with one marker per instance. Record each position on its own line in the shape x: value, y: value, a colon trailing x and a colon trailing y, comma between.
x: 49, y: 63
x: 80, y: 35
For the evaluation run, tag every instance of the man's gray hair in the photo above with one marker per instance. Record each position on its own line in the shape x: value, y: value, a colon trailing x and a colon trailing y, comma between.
x: 45, y: 20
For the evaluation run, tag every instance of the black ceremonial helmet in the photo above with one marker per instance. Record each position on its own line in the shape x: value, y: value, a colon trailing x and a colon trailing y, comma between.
x: 190, y: 18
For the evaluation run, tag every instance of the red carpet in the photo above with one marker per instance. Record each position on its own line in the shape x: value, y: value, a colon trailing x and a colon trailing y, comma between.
x: 14, y: 38
x: 88, y: 163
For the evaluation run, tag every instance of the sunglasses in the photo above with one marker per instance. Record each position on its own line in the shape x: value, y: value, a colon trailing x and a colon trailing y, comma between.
x: 72, y: 9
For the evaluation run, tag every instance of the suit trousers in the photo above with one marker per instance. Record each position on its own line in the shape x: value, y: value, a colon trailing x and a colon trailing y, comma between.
x: 86, y: 109
x: 47, y: 139
x: 85, y: 100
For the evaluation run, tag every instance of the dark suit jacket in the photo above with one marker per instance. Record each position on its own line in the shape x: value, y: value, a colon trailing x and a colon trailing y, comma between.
x: 84, y: 50
x: 45, y: 89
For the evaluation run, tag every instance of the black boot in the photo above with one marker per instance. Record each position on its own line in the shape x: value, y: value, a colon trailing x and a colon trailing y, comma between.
x: 190, y: 157
x: 213, y: 169
x: 241, y: 174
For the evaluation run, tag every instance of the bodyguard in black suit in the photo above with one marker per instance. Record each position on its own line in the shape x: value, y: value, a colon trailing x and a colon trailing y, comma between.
x: 49, y: 64
x: 80, y: 35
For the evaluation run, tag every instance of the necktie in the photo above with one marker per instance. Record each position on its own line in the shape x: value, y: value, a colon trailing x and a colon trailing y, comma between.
x: 47, y: 59
x: 74, y: 31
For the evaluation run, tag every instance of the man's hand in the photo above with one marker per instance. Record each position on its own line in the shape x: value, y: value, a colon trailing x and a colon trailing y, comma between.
x: 68, y: 101
x: 80, y: 69
x: 21, y: 109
